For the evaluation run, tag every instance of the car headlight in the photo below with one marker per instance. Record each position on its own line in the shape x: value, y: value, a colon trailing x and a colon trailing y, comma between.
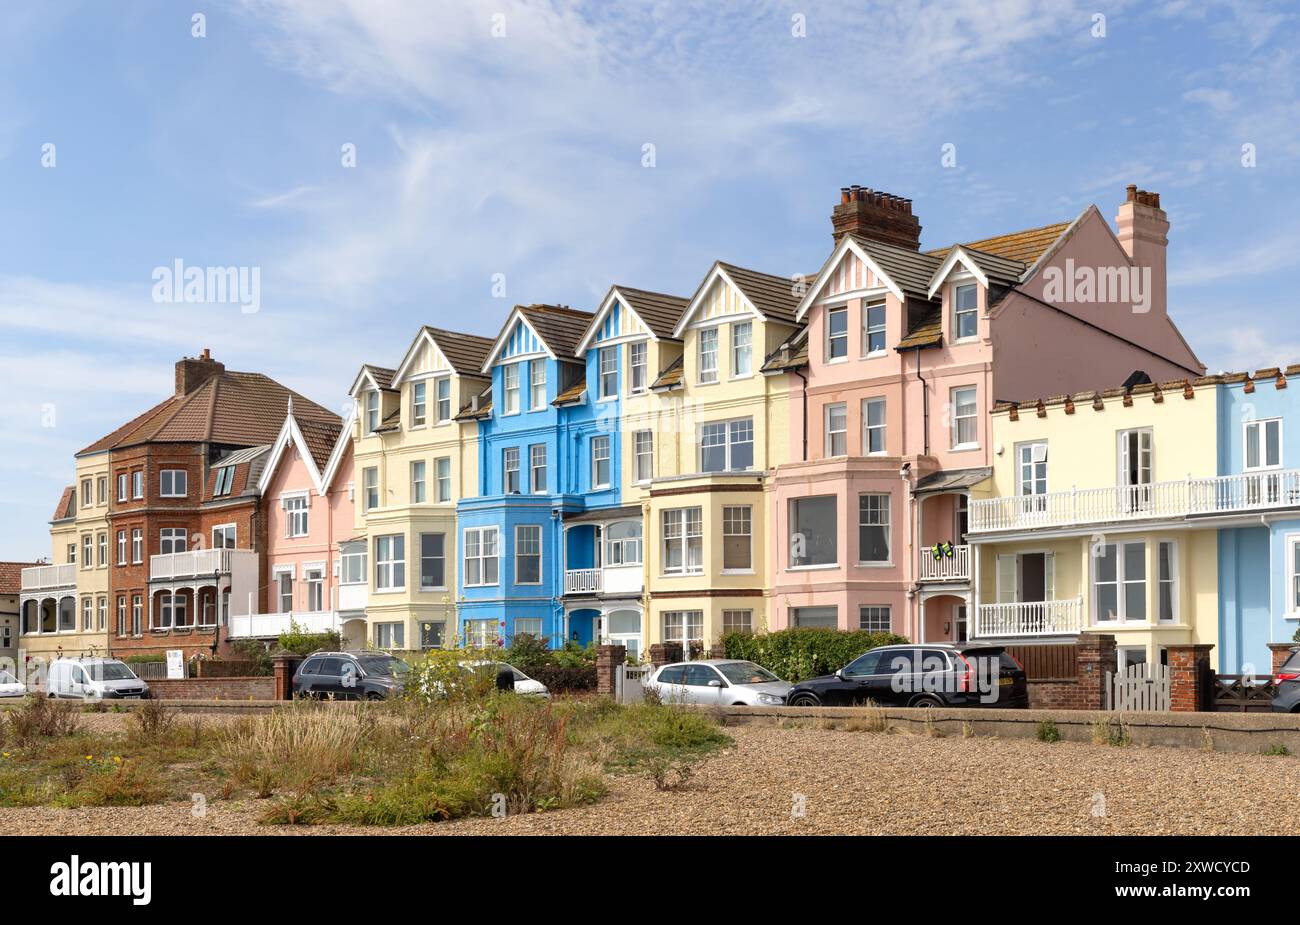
x: 770, y: 699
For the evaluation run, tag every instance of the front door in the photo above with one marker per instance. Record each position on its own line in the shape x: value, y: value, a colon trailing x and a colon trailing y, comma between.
x: 1033, y: 577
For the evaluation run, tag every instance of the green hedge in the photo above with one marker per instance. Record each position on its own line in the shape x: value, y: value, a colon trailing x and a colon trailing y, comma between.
x: 799, y: 654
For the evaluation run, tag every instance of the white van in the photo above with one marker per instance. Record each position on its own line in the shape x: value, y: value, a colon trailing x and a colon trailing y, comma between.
x: 93, y: 679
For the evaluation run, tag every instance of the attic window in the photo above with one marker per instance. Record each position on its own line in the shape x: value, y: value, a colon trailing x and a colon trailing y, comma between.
x: 965, y: 306
x: 224, y: 482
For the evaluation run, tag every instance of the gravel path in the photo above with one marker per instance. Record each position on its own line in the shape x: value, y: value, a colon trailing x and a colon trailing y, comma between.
x: 854, y: 783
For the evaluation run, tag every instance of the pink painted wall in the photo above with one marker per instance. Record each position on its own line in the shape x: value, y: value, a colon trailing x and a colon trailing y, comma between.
x: 330, y: 520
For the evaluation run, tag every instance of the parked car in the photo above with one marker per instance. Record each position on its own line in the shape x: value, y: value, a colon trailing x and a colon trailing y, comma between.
x: 11, y: 686
x: 730, y: 682
x: 361, y: 675
x: 521, y: 682
x: 93, y: 679
x: 1286, y: 686
x: 927, y: 675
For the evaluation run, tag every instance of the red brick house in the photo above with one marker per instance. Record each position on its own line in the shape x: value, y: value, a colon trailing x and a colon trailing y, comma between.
x: 187, y: 536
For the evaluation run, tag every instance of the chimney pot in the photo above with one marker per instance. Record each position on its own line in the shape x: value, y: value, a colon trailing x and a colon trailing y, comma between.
x: 844, y: 194
x: 877, y: 215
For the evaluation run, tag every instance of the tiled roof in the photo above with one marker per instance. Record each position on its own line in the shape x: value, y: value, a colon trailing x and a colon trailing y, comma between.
x: 772, y: 295
x: 66, y: 507
x: 927, y: 332
x: 465, y: 352
x: 11, y: 576
x: 572, y: 395
x: 382, y: 374
x: 321, y: 438
x: 249, y: 464
x: 910, y: 270
x: 468, y: 413
x: 793, y: 354
x: 232, y: 408
x: 1024, y: 246
x: 997, y: 269
x: 559, y: 326
x: 659, y: 311
x: 670, y: 378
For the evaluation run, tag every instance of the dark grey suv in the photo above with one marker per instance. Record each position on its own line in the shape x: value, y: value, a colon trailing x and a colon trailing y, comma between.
x: 1286, y: 686
x: 350, y: 675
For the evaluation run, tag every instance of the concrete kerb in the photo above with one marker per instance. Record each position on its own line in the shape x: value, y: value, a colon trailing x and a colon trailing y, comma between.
x: 1230, y: 732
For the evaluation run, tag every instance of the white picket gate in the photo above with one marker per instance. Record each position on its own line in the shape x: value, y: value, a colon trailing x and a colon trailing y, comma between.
x: 1139, y: 687
x: 628, y: 683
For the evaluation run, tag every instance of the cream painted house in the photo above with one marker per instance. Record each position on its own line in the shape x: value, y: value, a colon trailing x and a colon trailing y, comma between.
x: 416, y: 455
x: 723, y: 425
x: 1099, y: 517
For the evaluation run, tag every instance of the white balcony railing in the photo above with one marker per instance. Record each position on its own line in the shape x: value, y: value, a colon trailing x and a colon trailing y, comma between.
x: 945, y: 568
x: 1225, y: 494
x: 49, y: 577
x: 192, y: 564
x: 582, y: 580
x: 268, y: 625
x: 1028, y: 618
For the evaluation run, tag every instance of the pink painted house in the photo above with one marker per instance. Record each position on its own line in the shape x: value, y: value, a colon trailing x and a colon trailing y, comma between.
x: 903, y: 355
x: 316, y: 577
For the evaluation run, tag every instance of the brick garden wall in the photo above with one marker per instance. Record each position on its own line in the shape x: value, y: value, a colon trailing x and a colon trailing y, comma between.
x: 262, y: 688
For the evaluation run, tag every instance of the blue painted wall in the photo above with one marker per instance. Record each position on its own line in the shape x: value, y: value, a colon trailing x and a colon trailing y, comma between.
x: 567, y: 434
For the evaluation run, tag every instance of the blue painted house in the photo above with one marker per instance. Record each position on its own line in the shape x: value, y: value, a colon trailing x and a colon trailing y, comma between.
x: 1259, y: 553
x: 550, y: 451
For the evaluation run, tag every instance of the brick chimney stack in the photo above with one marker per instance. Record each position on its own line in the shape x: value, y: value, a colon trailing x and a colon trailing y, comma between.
x: 1142, y: 229
x: 879, y: 216
x: 192, y: 372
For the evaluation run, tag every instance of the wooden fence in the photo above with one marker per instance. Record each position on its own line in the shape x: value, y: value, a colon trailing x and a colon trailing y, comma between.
x: 1055, y: 662
x: 1235, y: 693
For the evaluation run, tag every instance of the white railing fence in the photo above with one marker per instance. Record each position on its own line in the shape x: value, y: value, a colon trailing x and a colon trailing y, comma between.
x: 36, y: 577
x: 1029, y: 618
x: 190, y: 564
x: 955, y: 567
x: 1218, y: 495
x: 582, y: 580
x: 264, y: 625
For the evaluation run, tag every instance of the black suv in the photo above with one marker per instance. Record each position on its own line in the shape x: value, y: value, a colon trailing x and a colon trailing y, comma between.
x: 1286, y: 686
x: 921, y: 675
x: 350, y: 675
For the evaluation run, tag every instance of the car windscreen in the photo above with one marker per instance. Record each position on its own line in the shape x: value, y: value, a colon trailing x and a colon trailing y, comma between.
x: 383, y: 665
x: 7, y: 678
x: 746, y: 673
x: 110, y: 671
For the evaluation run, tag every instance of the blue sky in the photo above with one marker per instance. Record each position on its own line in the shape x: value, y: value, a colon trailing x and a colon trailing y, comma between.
x: 522, y: 155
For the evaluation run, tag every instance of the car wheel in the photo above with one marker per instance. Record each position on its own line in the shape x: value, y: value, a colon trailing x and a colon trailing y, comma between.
x: 926, y: 701
x: 374, y: 695
x: 804, y: 699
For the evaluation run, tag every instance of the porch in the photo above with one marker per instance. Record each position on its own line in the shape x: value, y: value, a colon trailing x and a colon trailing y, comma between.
x: 603, y: 552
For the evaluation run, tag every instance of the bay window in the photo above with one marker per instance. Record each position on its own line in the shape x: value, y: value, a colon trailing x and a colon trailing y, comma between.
x: 813, y: 537
x: 481, y: 557
x: 390, y: 562
x: 683, y: 541
x: 727, y: 446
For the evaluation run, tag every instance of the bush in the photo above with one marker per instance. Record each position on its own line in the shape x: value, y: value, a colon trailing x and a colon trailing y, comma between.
x: 798, y: 654
x: 561, y: 680
x: 1047, y: 731
x: 254, y: 652
x: 300, y: 642
x: 42, y: 718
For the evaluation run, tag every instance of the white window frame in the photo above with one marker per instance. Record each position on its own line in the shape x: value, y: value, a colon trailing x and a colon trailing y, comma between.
x: 442, y: 477
x: 679, y: 527
x: 419, y: 481
x: 871, y: 623
x: 869, y: 328
x: 510, y: 466
x: 296, y: 507
x: 708, y: 350
x: 440, y: 586
x: 390, y: 557
x: 1171, y: 580
x: 419, y: 403
x: 835, y: 435
x: 643, y: 456
x: 171, y: 536
x: 137, y: 545
x: 729, y: 428
x: 510, y: 389
x: 623, y: 550
x: 732, y: 617
x: 600, y: 453
x: 176, y: 475
x: 224, y: 481
x: 1259, y: 443
x: 537, y: 473
x: 442, y: 402
x: 137, y: 484
x: 1292, y: 577
x: 536, y: 385
x: 475, y: 550
x: 369, y: 485
x: 371, y: 413
x: 531, y: 530
x: 868, y: 429
x: 887, y: 522
x: 742, y: 349
x: 220, y: 530
x: 607, y: 373
x: 738, y: 521
x: 123, y: 486
x: 958, y: 313
x: 1121, y: 583
x: 684, y: 627
x: 121, y: 547
x: 834, y: 337
x: 957, y: 419
x: 792, y: 520
x: 638, y: 365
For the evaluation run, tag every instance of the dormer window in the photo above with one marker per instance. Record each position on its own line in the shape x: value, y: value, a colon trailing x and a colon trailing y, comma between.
x: 637, y: 366
x: 510, y: 375
x: 964, y: 319
x: 837, y: 334
x: 873, y: 331
x: 224, y: 481
x: 419, y: 404
x: 372, y: 411
x: 742, y: 348
x: 443, y: 390
x: 709, y: 355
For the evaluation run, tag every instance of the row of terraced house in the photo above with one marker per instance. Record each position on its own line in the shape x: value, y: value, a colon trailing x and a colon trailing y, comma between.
x: 934, y: 442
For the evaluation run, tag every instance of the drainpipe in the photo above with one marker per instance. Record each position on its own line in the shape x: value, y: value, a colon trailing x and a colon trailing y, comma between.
x: 925, y: 406
x: 804, y: 380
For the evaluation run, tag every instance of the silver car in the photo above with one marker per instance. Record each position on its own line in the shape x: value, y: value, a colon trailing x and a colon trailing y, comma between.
x: 718, y: 682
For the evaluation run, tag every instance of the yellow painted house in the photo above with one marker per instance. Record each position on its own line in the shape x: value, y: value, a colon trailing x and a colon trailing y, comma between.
x: 416, y: 454
x: 723, y: 425
x: 1089, y: 522
x: 64, y: 605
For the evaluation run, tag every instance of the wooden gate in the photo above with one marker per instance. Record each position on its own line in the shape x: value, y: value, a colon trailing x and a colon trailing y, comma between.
x: 1139, y: 687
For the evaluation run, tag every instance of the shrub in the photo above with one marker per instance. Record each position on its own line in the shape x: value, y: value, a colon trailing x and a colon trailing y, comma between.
x: 117, y: 783
x: 799, y: 654
x: 152, y: 723
x: 300, y: 642
x: 561, y: 680
x: 1277, y: 750
x: 254, y: 652
x: 41, y: 717
x: 528, y: 653
x: 1047, y: 731
x: 1111, y: 732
